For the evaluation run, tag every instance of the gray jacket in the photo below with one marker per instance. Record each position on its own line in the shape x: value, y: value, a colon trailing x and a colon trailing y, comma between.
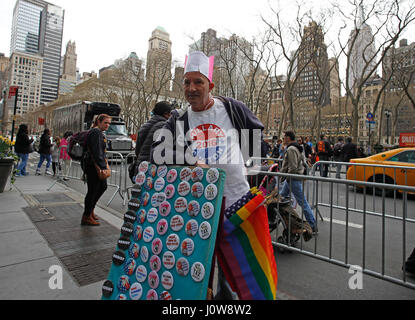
x: 293, y: 162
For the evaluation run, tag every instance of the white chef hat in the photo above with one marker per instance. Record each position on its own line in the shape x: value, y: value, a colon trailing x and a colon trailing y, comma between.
x: 199, y: 62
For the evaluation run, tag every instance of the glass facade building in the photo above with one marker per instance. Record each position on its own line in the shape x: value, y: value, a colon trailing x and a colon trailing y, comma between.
x: 37, y: 28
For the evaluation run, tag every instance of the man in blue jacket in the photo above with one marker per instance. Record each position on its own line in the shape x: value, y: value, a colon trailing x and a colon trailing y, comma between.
x: 217, y: 131
x: 213, y: 131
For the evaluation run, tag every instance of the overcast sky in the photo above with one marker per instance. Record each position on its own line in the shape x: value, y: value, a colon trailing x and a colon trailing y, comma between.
x: 107, y: 30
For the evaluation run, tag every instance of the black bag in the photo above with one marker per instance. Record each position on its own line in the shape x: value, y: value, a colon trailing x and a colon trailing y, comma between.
x: 77, y: 145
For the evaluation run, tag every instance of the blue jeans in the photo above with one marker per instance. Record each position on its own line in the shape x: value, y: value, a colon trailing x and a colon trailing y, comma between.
x: 22, y: 164
x: 44, y: 157
x: 297, y: 189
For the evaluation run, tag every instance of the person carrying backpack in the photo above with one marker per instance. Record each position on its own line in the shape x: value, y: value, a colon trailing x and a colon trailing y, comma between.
x: 324, y: 153
x: 338, y: 155
x: 95, y: 155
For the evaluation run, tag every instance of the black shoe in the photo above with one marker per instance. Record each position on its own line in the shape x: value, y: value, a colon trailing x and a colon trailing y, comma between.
x: 315, y: 230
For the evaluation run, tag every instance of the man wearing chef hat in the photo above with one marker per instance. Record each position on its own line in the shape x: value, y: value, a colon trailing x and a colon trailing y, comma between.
x: 214, y: 131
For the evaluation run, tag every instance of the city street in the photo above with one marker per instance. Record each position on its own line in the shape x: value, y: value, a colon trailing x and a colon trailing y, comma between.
x: 304, y: 277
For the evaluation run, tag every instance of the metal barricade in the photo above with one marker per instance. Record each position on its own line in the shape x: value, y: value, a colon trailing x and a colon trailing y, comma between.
x: 371, y: 171
x: 356, y: 238
x: 117, y: 164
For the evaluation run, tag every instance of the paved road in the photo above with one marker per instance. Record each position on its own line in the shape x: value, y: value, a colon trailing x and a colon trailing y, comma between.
x: 304, y: 277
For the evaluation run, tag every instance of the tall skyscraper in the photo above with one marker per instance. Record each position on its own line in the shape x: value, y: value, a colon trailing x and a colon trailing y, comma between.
x: 37, y: 28
x: 362, y: 51
x: 232, y: 62
x: 313, y: 81
x: 67, y: 80
x: 158, y: 70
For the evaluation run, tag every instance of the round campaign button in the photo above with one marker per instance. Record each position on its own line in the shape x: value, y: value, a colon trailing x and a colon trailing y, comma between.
x: 167, y: 280
x: 134, y: 250
x: 165, y: 208
x: 183, y: 188
x: 156, y: 246
x: 171, y: 175
x: 182, y: 267
x: 207, y: 210
x: 162, y: 227
x: 205, y: 230
x: 118, y: 257
x: 130, y: 216
x: 144, y: 254
x: 153, y: 170
x: 148, y: 234
x: 136, y: 291
x: 180, y: 205
x: 212, y: 175
x: 176, y: 223
x: 155, y: 263
x: 127, y: 229
x: 134, y: 204
x: 129, y: 266
x: 140, y: 178
x: 169, y: 191
x: 141, y: 273
x: 187, y: 247
x: 145, y: 198
x: 141, y: 216
x: 138, y: 233
x: 162, y: 171
x: 153, y: 280
x: 197, y: 272
x: 211, y: 192
x: 169, y: 260
x: 157, y: 198
x: 191, y: 227
x: 197, y: 174
x: 123, y: 284
x: 185, y: 174
x: 193, y: 208
x: 197, y: 190
x: 159, y: 184
x: 121, y: 297
x: 148, y: 184
x: 152, y: 215
x: 152, y: 295
x: 123, y: 243
x: 172, y: 242
x: 107, y: 288
x: 143, y: 167
x: 136, y: 191
x: 165, y: 295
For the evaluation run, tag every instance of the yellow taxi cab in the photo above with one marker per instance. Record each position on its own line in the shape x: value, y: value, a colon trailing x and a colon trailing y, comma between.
x: 402, y: 157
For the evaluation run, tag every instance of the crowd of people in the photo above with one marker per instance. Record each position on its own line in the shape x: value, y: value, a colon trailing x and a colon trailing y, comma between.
x: 322, y: 150
x: 53, y: 150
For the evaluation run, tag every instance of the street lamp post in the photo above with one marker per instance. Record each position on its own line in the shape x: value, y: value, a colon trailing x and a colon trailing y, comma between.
x: 388, y: 114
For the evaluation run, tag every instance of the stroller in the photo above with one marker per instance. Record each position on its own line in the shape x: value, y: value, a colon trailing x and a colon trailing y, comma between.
x: 280, y: 210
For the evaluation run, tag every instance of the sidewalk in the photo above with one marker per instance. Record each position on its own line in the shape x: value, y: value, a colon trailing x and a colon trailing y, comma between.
x: 26, y: 255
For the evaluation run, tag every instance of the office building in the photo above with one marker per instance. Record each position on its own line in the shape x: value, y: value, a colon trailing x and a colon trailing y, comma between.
x: 37, y: 29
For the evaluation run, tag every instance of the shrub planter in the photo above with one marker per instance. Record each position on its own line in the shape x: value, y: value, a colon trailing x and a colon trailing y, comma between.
x: 6, y: 167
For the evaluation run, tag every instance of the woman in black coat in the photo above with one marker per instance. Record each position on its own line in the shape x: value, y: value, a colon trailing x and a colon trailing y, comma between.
x: 22, y: 149
x: 45, y: 152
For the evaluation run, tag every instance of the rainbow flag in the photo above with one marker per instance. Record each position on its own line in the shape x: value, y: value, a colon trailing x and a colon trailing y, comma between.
x: 246, y: 254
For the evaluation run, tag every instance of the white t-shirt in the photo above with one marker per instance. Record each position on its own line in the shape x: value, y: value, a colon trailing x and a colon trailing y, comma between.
x: 215, y: 142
